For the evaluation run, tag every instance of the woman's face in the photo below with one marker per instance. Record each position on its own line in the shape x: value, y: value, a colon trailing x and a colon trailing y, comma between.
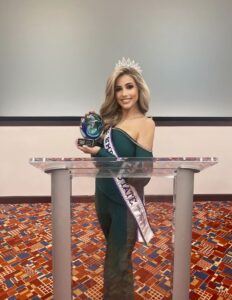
x: 126, y: 92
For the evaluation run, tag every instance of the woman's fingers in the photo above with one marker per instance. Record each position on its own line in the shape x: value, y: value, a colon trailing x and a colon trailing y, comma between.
x: 89, y: 150
x: 83, y: 148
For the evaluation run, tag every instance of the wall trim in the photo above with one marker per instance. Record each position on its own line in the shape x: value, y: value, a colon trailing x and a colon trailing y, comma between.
x: 90, y: 198
x: 75, y: 121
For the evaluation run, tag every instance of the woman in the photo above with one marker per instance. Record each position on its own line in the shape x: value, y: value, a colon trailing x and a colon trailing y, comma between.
x: 119, y: 202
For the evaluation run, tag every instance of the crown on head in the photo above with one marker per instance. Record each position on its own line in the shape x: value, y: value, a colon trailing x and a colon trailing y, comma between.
x: 127, y: 63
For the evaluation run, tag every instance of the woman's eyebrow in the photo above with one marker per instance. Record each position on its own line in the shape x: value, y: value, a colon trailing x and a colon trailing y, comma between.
x: 130, y: 82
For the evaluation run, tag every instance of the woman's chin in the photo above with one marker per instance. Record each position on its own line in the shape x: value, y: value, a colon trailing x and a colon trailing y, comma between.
x: 126, y: 106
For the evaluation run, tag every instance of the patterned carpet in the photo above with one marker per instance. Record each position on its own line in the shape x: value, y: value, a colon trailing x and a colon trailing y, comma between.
x: 25, y: 257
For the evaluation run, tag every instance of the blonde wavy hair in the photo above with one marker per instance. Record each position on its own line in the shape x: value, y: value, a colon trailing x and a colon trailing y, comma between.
x: 110, y: 110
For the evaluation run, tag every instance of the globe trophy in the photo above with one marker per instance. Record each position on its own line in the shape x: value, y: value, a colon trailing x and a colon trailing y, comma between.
x: 91, y: 128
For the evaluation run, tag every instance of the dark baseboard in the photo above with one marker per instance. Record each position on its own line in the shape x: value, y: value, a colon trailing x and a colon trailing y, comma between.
x: 90, y: 198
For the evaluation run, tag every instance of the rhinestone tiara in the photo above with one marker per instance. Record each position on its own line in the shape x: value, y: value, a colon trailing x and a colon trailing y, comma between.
x: 127, y: 63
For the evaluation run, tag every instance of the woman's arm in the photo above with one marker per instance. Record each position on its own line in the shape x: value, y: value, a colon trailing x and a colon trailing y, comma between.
x: 95, y: 151
x: 146, y: 134
x: 145, y: 139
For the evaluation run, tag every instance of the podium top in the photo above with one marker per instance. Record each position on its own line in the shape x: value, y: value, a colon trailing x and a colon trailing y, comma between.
x: 122, y: 166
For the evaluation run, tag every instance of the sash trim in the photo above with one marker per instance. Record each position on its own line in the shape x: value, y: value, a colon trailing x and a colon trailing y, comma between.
x: 131, y: 198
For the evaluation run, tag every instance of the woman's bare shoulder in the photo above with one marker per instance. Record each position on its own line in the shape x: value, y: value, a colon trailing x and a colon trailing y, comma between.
x: 148, y: 120
x: 148, y: 123
x: 144, y: 125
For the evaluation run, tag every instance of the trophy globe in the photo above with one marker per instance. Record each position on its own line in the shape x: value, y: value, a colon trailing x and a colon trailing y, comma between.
x: 91, y: 128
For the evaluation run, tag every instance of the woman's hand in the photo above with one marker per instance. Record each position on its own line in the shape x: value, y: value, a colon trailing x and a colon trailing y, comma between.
x: 90, y: 150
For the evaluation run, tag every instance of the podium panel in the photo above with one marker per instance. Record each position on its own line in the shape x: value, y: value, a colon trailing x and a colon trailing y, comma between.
x: 180, y: 169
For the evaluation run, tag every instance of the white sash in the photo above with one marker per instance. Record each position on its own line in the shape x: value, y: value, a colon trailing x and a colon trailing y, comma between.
x: 131, y: 198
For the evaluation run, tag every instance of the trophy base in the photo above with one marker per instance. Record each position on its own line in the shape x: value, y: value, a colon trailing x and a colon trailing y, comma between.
x: 86, y: 142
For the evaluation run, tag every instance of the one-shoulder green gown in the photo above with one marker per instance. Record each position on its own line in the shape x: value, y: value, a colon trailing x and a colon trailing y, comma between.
x: 117, y: 222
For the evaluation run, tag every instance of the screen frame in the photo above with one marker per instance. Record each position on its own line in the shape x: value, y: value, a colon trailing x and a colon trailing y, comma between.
x: 75, y: 121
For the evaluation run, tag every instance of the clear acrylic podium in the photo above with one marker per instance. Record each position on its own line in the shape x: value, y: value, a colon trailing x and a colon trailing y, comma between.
x: 62, y: 171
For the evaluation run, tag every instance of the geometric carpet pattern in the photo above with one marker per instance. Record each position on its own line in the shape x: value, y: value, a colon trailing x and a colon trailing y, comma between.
x: 26, y: 253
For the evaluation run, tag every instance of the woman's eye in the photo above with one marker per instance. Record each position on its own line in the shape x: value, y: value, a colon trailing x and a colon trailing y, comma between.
x: 130, y: 86
x: 117, y: 89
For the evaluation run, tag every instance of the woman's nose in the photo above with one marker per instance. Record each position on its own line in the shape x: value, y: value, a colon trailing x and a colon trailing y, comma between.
x: 124, y: 92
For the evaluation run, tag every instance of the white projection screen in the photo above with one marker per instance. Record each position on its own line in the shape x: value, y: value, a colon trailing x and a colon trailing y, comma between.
x: 55, y: 56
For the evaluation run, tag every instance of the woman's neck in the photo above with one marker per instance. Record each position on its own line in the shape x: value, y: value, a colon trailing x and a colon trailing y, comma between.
x: 131, y: 114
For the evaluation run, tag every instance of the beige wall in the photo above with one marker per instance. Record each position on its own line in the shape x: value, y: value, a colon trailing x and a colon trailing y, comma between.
x: 18, y: 144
